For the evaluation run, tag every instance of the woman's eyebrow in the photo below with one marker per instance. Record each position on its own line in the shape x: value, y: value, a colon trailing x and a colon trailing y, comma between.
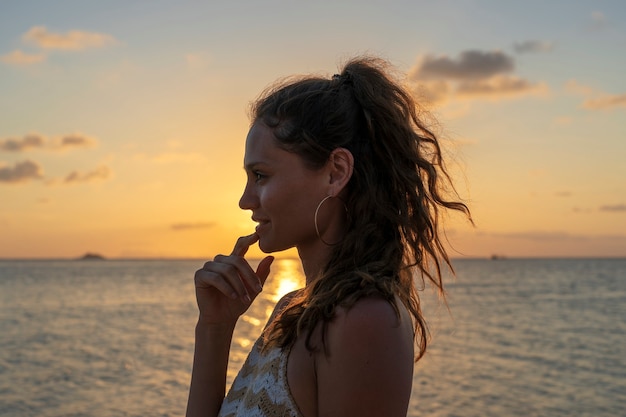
x: 250, y: 166
x: 254, y: 164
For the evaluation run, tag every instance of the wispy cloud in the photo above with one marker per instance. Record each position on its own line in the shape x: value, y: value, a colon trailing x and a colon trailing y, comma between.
x: 603, y: 102
x: 100, y: 173
x: 35, y: 141
x: 614, y: 208
x: 472, y: 74
x: 532, y: 46
x: 24, y: 143
x: 192, y: 226
x: 20, y: 172
x: 41, y: 37
x: 28, y: 170
x: 75, y: 141
x: 20, y: 58
x: 72, y: 40
x: 500, y: 86
x: 595, y: 100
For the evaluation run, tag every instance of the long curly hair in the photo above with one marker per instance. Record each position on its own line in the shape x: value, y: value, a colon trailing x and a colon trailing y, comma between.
x: 395, y: 196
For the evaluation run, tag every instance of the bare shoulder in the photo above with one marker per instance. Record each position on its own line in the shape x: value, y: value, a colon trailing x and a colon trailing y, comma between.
x: 372, y: 324
x: 370, y: 314
x: 368, y: 366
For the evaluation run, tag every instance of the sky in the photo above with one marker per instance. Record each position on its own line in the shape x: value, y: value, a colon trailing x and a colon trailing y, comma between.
x: 122, y: 123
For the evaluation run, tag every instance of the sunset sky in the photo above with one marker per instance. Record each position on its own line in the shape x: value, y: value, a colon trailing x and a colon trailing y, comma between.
x: 122, y: 123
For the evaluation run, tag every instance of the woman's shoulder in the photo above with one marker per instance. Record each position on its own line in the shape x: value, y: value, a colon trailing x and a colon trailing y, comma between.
x: 371, y: 316
x: 369, y: 355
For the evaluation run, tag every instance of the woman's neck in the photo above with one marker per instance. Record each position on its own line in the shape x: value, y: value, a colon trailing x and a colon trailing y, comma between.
x: 313, y: 260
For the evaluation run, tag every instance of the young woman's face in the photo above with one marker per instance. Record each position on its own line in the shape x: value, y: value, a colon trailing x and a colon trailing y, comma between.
x: 281, y: 192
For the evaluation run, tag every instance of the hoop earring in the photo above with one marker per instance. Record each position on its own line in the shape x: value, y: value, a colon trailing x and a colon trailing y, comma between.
x: 317, y: 230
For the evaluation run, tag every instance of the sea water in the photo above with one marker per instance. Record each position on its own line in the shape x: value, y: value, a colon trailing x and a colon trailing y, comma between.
x: 519, y: 337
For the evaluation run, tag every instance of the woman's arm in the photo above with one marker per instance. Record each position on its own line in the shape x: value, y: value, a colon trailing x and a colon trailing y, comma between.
x: 210, y: 364
x: 225, y: 288
x: 369, y: 367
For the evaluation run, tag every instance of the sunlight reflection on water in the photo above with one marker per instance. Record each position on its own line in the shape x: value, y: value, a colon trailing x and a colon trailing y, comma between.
x: 286, y: 276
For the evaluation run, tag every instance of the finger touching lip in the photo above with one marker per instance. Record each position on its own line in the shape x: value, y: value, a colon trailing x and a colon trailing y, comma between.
x: 243, y: 243
x: 261, y: 225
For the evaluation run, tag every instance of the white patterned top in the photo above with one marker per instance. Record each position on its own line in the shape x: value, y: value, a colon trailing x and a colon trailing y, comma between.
x: 260, y: 389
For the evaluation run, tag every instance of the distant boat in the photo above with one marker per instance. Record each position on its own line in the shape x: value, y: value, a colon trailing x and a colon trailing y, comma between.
x: 91, y: 257
x: 496, y: 257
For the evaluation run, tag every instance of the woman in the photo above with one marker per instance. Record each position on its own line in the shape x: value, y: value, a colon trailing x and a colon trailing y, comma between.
x: 343, y: 170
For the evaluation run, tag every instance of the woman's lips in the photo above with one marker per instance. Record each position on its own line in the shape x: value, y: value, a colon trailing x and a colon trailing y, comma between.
x: 262, y: 224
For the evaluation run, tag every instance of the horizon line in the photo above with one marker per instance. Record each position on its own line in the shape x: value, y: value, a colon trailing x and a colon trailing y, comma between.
x: 174, y: 258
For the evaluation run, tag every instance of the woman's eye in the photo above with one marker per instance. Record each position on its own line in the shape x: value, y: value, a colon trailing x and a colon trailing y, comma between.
x: 258, y: 176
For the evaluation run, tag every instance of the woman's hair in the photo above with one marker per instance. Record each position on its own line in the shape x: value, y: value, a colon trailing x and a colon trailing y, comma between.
x: 393, y: 199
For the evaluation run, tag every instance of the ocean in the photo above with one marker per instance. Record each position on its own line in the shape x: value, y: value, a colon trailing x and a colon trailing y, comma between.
x: 519, y: 337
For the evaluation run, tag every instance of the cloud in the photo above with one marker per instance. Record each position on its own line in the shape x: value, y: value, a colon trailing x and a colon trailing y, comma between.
x: 532, y: 46
x: 74, y: 141
x: 34, y: 141
x: 595, y: 100
x: 604, y: 102
x: 470, y: 65
x: 22, y: 144
x: 499, y: 86
x: 192, y: 226
x: 472, y: 74
x: 100, y: 173
x: 433, y: 91
x: 614, y: 208
x: 72, y: 40
x: 20, y: 172
x: 18, y: 57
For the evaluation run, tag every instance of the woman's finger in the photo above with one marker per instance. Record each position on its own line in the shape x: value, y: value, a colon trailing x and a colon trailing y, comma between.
x: 243, y: 243
x: 232, y: 275
x: 263, y: 270
x: 245, y: 271
x: 233, y: 270
x: 208, y: 279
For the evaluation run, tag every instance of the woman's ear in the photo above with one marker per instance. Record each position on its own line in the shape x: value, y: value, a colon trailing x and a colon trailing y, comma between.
x: 341, y: 166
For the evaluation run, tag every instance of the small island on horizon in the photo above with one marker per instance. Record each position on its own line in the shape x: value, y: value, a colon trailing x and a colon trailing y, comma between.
x: 90, y: 256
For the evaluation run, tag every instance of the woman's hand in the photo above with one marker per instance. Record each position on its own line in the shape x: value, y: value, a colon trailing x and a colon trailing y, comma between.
x: 226, y: 286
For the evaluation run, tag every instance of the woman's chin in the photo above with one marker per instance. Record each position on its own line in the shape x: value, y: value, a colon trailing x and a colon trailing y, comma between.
x: 267, y: 246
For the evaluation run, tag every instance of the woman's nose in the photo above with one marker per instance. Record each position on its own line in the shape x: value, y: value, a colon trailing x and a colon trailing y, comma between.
x: 247, y: 200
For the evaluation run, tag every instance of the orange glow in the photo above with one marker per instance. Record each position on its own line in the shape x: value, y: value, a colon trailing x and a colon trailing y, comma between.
x: 287, y: 277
